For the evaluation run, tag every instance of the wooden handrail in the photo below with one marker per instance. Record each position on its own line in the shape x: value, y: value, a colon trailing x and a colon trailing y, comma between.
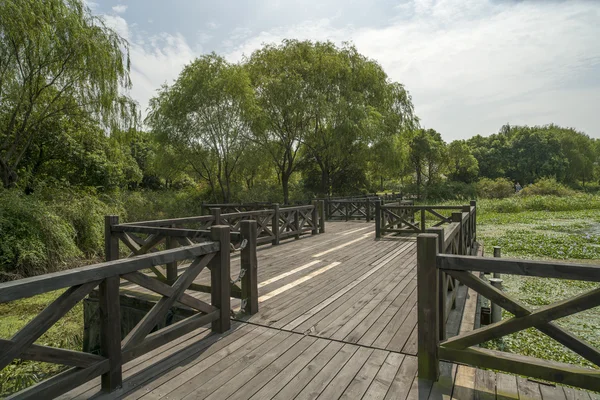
x: 113, y: 350
x: 433, y: 264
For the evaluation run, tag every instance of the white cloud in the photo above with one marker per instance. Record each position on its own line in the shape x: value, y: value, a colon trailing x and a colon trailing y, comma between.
x: 120, y: 8
x: 155, y: 59
x: 470, y: 65
x: 473, y: 65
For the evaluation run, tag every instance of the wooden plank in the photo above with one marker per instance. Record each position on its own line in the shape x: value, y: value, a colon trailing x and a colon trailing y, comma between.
x: 464, y: 386
x: 485, y: 385
x: 288, y: 372
x: 506, y: 387
x: 544, y: 269
x: 522, y: 365
x: 29, y: 287
x: 385, y: 377
x: 314, y: 388
x: 185, y: 362
x: 528, y: 390
x: 551, y: 392
x: 365, y: 376
x: 195, y: 387
x: 259, y: 372
x: 334, y: 353
x: 336, y: 386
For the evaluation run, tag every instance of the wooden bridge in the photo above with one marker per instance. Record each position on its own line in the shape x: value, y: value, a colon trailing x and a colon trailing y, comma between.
x: 331, y: 312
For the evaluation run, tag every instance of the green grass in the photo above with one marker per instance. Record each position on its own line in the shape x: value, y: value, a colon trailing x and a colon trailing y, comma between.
x: 67, y: 333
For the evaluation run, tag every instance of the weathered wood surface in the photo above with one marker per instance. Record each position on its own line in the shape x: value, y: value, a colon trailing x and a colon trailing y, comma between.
x: 337, y: 319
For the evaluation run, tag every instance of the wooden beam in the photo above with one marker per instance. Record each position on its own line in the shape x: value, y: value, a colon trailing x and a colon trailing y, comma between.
x: 44, y: 320
x: 538, y: 317
x: 544, y: 269
x: 579, y: 346
x: 168, y: 291
x: 61, y: 383
x: 54, y: 355
x: 29, y: 287
x: 427, y: 300
x: 139, y: 332
x: 220, y: 279
x: 110, y: 332
x: 522, y: 365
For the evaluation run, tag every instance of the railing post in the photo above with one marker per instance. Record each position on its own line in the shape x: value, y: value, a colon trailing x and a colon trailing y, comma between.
x: 327, y: 210
x: 249, y: 263
x: 322, y: 216
x: 220, y: 278
x: 275, y: 224
x: 216, y: 212
x: 443, y: 284
x: 171, y: 267
x: 111, y: 242
x: 378, y: 219
x: 347, y: 210
x: 297, y: 223
x: 496, y: 309
x: 474, y: 204
x: 423, y: 227
x: 457, y: 217
x: 110, y: 332
x: 315, y: 217
x: 497, y: 254
x: 368, y: 209
x: 427, y: 307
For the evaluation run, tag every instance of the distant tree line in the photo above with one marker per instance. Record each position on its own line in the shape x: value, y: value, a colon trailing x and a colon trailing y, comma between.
x: 291, y: 121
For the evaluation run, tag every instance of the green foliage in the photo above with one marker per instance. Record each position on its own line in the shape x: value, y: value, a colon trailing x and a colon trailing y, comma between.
x: 547, y: 187
x: 204, y: 116
x: 58, y: 61
x: 50, y: 230
x: 462, y: 165
x: 34, y: 238
x: 67, y: 333
x: 498, y: 188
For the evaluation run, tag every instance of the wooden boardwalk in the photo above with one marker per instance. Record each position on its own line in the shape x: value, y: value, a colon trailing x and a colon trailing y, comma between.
x: 337, y: 319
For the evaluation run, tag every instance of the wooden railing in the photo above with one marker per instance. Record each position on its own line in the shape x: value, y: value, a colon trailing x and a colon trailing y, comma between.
x: 400, y: 218
x: 236, y: 207
x: 151, y: 236
x: 115, y: 350
x: 360, y: 208
x: 432, y: 262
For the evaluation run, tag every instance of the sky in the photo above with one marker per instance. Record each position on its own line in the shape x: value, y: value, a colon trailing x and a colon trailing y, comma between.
x: 470, y: 66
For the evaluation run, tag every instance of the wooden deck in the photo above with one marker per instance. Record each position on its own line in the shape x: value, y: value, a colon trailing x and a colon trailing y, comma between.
x: 337, y: 319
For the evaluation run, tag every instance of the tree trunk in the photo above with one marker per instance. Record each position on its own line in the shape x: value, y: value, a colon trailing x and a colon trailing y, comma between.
x: 285, y: 179
x: 9, y: 177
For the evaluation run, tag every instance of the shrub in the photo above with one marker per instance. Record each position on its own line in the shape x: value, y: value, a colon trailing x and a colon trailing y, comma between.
x: 34, y: 239
x: 499, y: 188
x: 547, y: 187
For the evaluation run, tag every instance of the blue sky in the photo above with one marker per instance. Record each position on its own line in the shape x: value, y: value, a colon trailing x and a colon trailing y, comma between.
x: 470, y: 65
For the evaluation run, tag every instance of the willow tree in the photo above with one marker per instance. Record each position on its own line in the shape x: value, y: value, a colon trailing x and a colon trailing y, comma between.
x: 50, y: 51
x: 203, y: 114
x: 328, y: 103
